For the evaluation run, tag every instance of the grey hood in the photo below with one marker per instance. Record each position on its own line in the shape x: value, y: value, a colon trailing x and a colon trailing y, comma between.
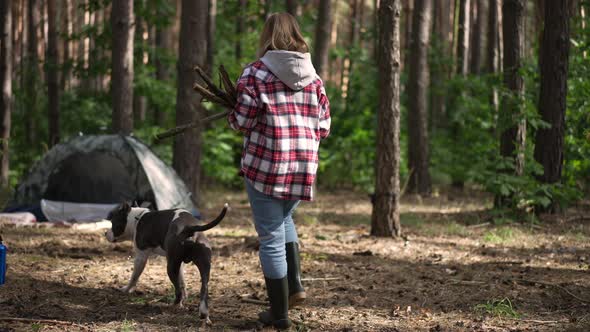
x: 292, y: 68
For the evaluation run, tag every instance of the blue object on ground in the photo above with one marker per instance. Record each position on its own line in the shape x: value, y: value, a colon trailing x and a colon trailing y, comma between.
x: 2, y: 262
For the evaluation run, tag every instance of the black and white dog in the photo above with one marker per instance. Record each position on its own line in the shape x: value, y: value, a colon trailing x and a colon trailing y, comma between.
x: 175, y: 234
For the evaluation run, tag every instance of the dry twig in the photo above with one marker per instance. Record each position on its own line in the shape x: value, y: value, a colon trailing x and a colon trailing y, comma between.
x: 226, y: 97
x: 553, y: 285
x: 42, y: 321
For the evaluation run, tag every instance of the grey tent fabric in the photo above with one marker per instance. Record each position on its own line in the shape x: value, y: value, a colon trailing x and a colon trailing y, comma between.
x: 151, y: 179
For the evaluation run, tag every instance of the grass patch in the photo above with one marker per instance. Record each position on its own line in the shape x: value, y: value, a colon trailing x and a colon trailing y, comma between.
x: 308, y: 219
x: 127, y: 326
x: 411, y: 220
x: 36, y: 327
x: 499, y: 235
x: 499, y: 308
x: 313, y: 257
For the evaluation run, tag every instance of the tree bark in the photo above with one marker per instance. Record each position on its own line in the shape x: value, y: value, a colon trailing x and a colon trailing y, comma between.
x: 322, y: 38
x: 123, y: 27
x: 66, y: 31
x: 292, y: 7
x: 163, y: 45
x: 492, y: 48
x: 418, y: 83
x: 240, y: 27
x: 513, y: 138
x: 211, y: 25
x: 32, y: 73
x: 385, y: 216
x: 6, y: 85
x: 553, y: 93
x: 52, y: 74
x: 463, y: 38
x: 192, y: 51
x: 442, y: 30
x: 406, y: 36
x: 479, y: 32
x: 139, y: 101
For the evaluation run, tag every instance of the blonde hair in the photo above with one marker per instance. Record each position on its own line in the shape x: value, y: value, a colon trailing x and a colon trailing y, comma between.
x: 281, y: 32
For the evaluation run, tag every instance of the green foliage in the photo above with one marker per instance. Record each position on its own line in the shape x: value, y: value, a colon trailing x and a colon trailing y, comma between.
x: 499, y: 308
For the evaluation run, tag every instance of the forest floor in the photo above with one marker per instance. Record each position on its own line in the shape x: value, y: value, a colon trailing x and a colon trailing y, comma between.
x: 454, y: 271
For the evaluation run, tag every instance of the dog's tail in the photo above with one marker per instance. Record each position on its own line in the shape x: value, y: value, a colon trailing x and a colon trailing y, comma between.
x: 190, y: 230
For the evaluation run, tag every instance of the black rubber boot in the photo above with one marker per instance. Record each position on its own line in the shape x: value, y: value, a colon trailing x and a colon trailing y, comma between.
x: 278, y: 294
x: 297, y: 293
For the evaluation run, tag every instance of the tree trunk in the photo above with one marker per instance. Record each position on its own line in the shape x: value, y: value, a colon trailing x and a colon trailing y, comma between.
x: 513, y: 139
x: 322, y: 38
x: 66, y: 31
x: 385, y: 216
x: 492, y: 47
x: 163, y: 46
x: 32, y: 74
x: 292, y: 7
x: 123, y: 27
x: 407, y: 31
x: 418, y: 83
x: 192, y: 51
x: 552, y: 100
x: 479, y: 32
x: 211, y: 24
x: 52, y: 75
x: 240, y: 26
x: 6, y: 85
x: 442, y: 30
x: 139, y: 101
x: 463, y: 38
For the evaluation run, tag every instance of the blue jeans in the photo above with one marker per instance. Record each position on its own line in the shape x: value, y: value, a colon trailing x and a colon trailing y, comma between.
x: 274, y: 224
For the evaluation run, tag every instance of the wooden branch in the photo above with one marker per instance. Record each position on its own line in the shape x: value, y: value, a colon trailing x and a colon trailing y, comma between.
x: 43, y: 321
x: 181, y: 129
x: 253, y: 301
x: 209, y: 82
x: 227, y: 83
x: 320, y: 279
x: 555, y: 286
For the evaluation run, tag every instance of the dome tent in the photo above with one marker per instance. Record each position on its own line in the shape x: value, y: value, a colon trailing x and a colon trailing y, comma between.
x: 103, y: 169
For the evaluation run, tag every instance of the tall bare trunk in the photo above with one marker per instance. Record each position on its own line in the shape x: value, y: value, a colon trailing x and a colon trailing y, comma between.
x: 513, y: 139
x: 240, y: 26
x: 52, y: 74
x: 385, y: 216
x: 443, y: 36
x: 32, y: 74
x: 418, y: 83
x: 478, y: 35
x: 123, y: 27
x: 163, y: 46
x: 493, y: 47
x: 552, y: 97
x: 211, y: 24
x: 139, y: 101
x: 6, y: 85
x: 192, y: 51
x: 406, y: 36
x: 292, y: 7
x: 463, y: 38
x: 322, y: 38
x: 66, y: 32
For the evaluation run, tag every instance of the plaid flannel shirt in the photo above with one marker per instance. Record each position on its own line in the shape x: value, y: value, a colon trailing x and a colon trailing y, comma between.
x: 282, y: 132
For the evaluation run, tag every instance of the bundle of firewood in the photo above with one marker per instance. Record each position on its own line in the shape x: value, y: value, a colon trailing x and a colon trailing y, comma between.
x: 226, y: 96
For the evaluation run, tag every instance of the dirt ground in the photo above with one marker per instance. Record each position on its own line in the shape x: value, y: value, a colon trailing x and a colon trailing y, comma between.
x: 453, y: 271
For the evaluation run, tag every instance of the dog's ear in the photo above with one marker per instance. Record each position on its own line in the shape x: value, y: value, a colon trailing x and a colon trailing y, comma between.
x: 135, y: 204
x: 125, y: 207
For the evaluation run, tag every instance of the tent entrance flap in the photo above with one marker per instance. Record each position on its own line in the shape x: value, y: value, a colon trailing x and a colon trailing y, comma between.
x: 93, y: 177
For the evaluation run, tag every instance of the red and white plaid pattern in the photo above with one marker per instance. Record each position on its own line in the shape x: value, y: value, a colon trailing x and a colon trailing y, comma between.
x: 282, y: 132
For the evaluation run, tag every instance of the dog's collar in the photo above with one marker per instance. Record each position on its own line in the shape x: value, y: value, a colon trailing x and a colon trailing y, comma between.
x: 137, y: 217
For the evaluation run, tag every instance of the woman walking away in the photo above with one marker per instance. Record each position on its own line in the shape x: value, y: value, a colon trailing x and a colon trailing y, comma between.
x: 283, y: 112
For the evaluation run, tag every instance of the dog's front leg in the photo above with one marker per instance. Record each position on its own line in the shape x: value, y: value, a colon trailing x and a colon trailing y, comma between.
x: 141, y: 258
